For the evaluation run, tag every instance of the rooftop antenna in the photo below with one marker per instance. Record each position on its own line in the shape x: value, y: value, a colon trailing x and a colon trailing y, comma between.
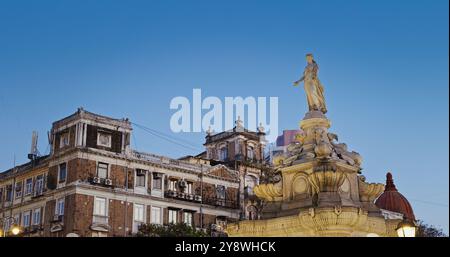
x: 33, y: 151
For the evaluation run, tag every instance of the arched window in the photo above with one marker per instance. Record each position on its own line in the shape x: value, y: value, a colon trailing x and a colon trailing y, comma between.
x: 250, y: 152
x: 223, y: 153
x: 252, y: 212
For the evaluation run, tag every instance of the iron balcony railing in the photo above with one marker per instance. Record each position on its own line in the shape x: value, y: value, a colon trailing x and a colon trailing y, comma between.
x: 221, y: 202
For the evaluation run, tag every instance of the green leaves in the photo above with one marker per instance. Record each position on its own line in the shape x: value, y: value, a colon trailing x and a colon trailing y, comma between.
x: 171, y: 230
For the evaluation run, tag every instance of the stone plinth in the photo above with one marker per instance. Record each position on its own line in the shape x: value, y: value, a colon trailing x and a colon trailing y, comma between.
x: 317, y: 222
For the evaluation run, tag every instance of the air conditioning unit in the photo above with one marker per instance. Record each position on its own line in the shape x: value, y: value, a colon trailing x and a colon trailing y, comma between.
x: 182, y: 183
x: 171, y: 193
x: 57, y: 217
x: 96, y: 180
x: 108, y: 182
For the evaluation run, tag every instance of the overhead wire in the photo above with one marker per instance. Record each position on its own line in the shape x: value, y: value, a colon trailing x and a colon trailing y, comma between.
x: 168, y: 138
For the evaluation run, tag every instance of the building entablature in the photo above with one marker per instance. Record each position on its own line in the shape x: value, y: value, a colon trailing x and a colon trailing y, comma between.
x: 83, y: 116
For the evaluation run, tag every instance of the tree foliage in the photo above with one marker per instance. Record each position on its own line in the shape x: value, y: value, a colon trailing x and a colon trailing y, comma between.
x: 425, y: 230
x: 171, y: 230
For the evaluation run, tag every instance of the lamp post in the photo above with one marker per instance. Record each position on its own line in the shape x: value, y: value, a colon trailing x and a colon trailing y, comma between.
x: 13, y: 227
x: 406, y: 228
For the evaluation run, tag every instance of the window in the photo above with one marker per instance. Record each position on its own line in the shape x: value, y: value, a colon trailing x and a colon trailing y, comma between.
x: 138, y: 216
x: 173, y: 216
x: 64, y: 140
x: 62, y: 172
x: 250, y: 153
x: 37, y: 216
x: 17, y: 219
x: 59, y: 210
x: 26, y: 219
x: 238, y: 147
x: 220, y: 192
x: 1, y: 196
x: 140, y: 178
x: 102, y: 170
x: 8, y: 193
x: 139, y: 212
x: 155, y: 217
x: 188, y: 188
x: 188, y: 218
x: 100, y: 206
x: 100, y: 211
x: 173, y: 185
x: 223, y: 154
x: 39, y: 186
x: 28, y: 186
x: 18, y: 189
x: 157, y: 181
x: 104, y: 139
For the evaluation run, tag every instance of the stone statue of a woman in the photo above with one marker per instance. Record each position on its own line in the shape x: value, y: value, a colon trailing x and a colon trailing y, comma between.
x: 313, y: 87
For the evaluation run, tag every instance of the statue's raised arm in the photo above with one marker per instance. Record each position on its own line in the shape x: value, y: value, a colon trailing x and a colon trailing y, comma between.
x: 313, y: 87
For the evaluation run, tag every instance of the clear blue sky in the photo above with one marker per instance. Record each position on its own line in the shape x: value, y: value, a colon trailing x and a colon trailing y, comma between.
x: 384, y: 65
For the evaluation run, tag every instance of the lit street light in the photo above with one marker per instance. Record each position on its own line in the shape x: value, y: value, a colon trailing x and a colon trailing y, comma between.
x: 406, y: 228
x: 13, y: 227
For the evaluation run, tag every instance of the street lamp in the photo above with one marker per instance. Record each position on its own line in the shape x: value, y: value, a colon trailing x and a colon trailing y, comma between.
x: 406, y: 228
x: 15, y: 229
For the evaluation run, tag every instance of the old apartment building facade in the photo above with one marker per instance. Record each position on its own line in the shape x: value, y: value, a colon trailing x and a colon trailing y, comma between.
x: 93, y: 184
x: 241, y: 150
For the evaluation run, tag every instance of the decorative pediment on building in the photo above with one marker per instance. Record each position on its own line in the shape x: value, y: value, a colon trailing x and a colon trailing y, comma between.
x: 100, y: 227
x: 56, y: 228
x: 222, y: 171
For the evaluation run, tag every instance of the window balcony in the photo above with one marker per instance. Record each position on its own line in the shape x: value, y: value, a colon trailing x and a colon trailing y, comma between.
x: 38, y: 193
x: 33, y: 229
x: 219, y: 202
x: 100, y: 223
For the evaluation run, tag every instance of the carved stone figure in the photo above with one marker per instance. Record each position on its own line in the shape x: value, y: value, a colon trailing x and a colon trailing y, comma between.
x: 313, y: 87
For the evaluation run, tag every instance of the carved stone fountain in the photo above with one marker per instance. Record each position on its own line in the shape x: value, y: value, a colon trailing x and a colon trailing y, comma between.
x: 319, y: 190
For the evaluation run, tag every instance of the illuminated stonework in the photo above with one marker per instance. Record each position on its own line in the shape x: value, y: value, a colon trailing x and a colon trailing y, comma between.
x: 321, y: 191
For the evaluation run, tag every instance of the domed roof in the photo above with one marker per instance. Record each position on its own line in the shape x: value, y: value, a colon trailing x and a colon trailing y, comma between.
x: 392, y: 200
